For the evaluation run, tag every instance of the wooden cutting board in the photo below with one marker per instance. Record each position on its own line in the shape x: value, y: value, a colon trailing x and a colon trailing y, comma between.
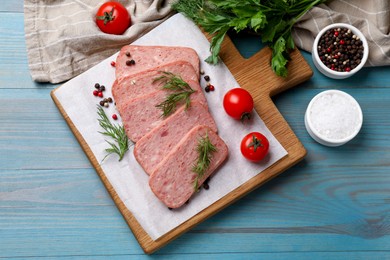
x: 255, y: 75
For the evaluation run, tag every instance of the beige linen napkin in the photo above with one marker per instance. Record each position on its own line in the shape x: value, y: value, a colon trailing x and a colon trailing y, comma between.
x: 63, y: 40
x: 371, y: 17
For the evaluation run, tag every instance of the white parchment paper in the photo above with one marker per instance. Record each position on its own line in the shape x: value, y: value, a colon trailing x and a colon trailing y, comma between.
x: 127, y: 177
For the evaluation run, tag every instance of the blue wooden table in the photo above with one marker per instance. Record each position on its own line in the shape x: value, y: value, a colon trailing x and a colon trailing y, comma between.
x: 335, y: 204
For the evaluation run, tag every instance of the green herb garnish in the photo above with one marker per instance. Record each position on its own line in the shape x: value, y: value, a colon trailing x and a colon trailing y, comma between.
x: 180, y: 89
x: 272, y: 19
x: 205, y: 150
x: 116, y: 132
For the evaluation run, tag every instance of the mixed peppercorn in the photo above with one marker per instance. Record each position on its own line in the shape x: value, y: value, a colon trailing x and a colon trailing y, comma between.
x: 208, y: 87
x: 129, y: 62
x: 340, y: 49
x: 98, y: 92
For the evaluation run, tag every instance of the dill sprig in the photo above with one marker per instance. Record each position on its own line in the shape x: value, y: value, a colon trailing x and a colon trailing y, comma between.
x: 181, y: 91
x: 116, y: 132
x: 205, y: 150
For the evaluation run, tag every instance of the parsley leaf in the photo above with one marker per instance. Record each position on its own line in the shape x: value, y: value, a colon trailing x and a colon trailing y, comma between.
x: 279, y: 61
x: 271, y: 19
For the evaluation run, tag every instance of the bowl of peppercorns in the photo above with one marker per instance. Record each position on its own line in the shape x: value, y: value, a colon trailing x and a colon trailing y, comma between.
x: 340, y: 50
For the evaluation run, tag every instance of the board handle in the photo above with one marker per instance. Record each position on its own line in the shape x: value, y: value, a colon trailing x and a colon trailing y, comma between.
x: 258, y: 67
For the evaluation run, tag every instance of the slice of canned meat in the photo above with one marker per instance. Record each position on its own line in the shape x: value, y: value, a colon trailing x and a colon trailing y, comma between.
x: 136, y: 58
x: 173, y: 179
x: 143, y: 83
x: 140, y: 115
x: 152, y: 148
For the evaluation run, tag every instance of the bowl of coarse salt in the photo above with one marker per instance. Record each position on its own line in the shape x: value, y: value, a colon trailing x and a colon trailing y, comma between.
x: 340, y: 50
x: 333, y: 118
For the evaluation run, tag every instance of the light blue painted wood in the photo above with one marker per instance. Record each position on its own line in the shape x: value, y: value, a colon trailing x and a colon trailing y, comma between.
x: 335, y: 204
x: 11, y: 6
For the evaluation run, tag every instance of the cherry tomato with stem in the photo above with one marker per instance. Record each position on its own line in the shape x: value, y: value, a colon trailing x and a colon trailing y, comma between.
x: 113, y: 18
x: 238, y: 103
x: 254, y: 146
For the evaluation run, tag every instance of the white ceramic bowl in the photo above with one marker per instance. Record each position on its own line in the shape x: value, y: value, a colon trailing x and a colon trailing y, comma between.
x: 336, y: 74
x: 333, y: 118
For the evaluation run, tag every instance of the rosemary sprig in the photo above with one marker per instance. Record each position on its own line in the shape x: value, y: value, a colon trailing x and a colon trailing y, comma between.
x: 181, y: 91
x: 116, y: 132
x: 205, y: 150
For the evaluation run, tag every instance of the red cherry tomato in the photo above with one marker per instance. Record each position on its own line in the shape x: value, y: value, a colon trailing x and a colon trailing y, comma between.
x: 113, y: 18
x: 238, y: 103
x: 254, y: 146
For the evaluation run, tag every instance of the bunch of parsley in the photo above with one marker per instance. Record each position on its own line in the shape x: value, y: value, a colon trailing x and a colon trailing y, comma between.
x: 271, y: 19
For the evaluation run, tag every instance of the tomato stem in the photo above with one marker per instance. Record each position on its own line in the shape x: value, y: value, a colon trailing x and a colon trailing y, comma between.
x: 107, y: 17
x: 255, y: 143
x: 245, y: 116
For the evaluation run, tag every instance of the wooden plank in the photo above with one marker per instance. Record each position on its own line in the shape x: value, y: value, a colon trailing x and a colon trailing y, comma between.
x: 292, y: 211
x: 316, y: 199
x: 11, y: 6
x: 30, y: 120
x: 14, y: 71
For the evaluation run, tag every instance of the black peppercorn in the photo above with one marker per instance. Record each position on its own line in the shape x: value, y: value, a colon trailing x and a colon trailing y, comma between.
x: 130, y: 62
x: 340, y: 50
x: 206, y: 184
